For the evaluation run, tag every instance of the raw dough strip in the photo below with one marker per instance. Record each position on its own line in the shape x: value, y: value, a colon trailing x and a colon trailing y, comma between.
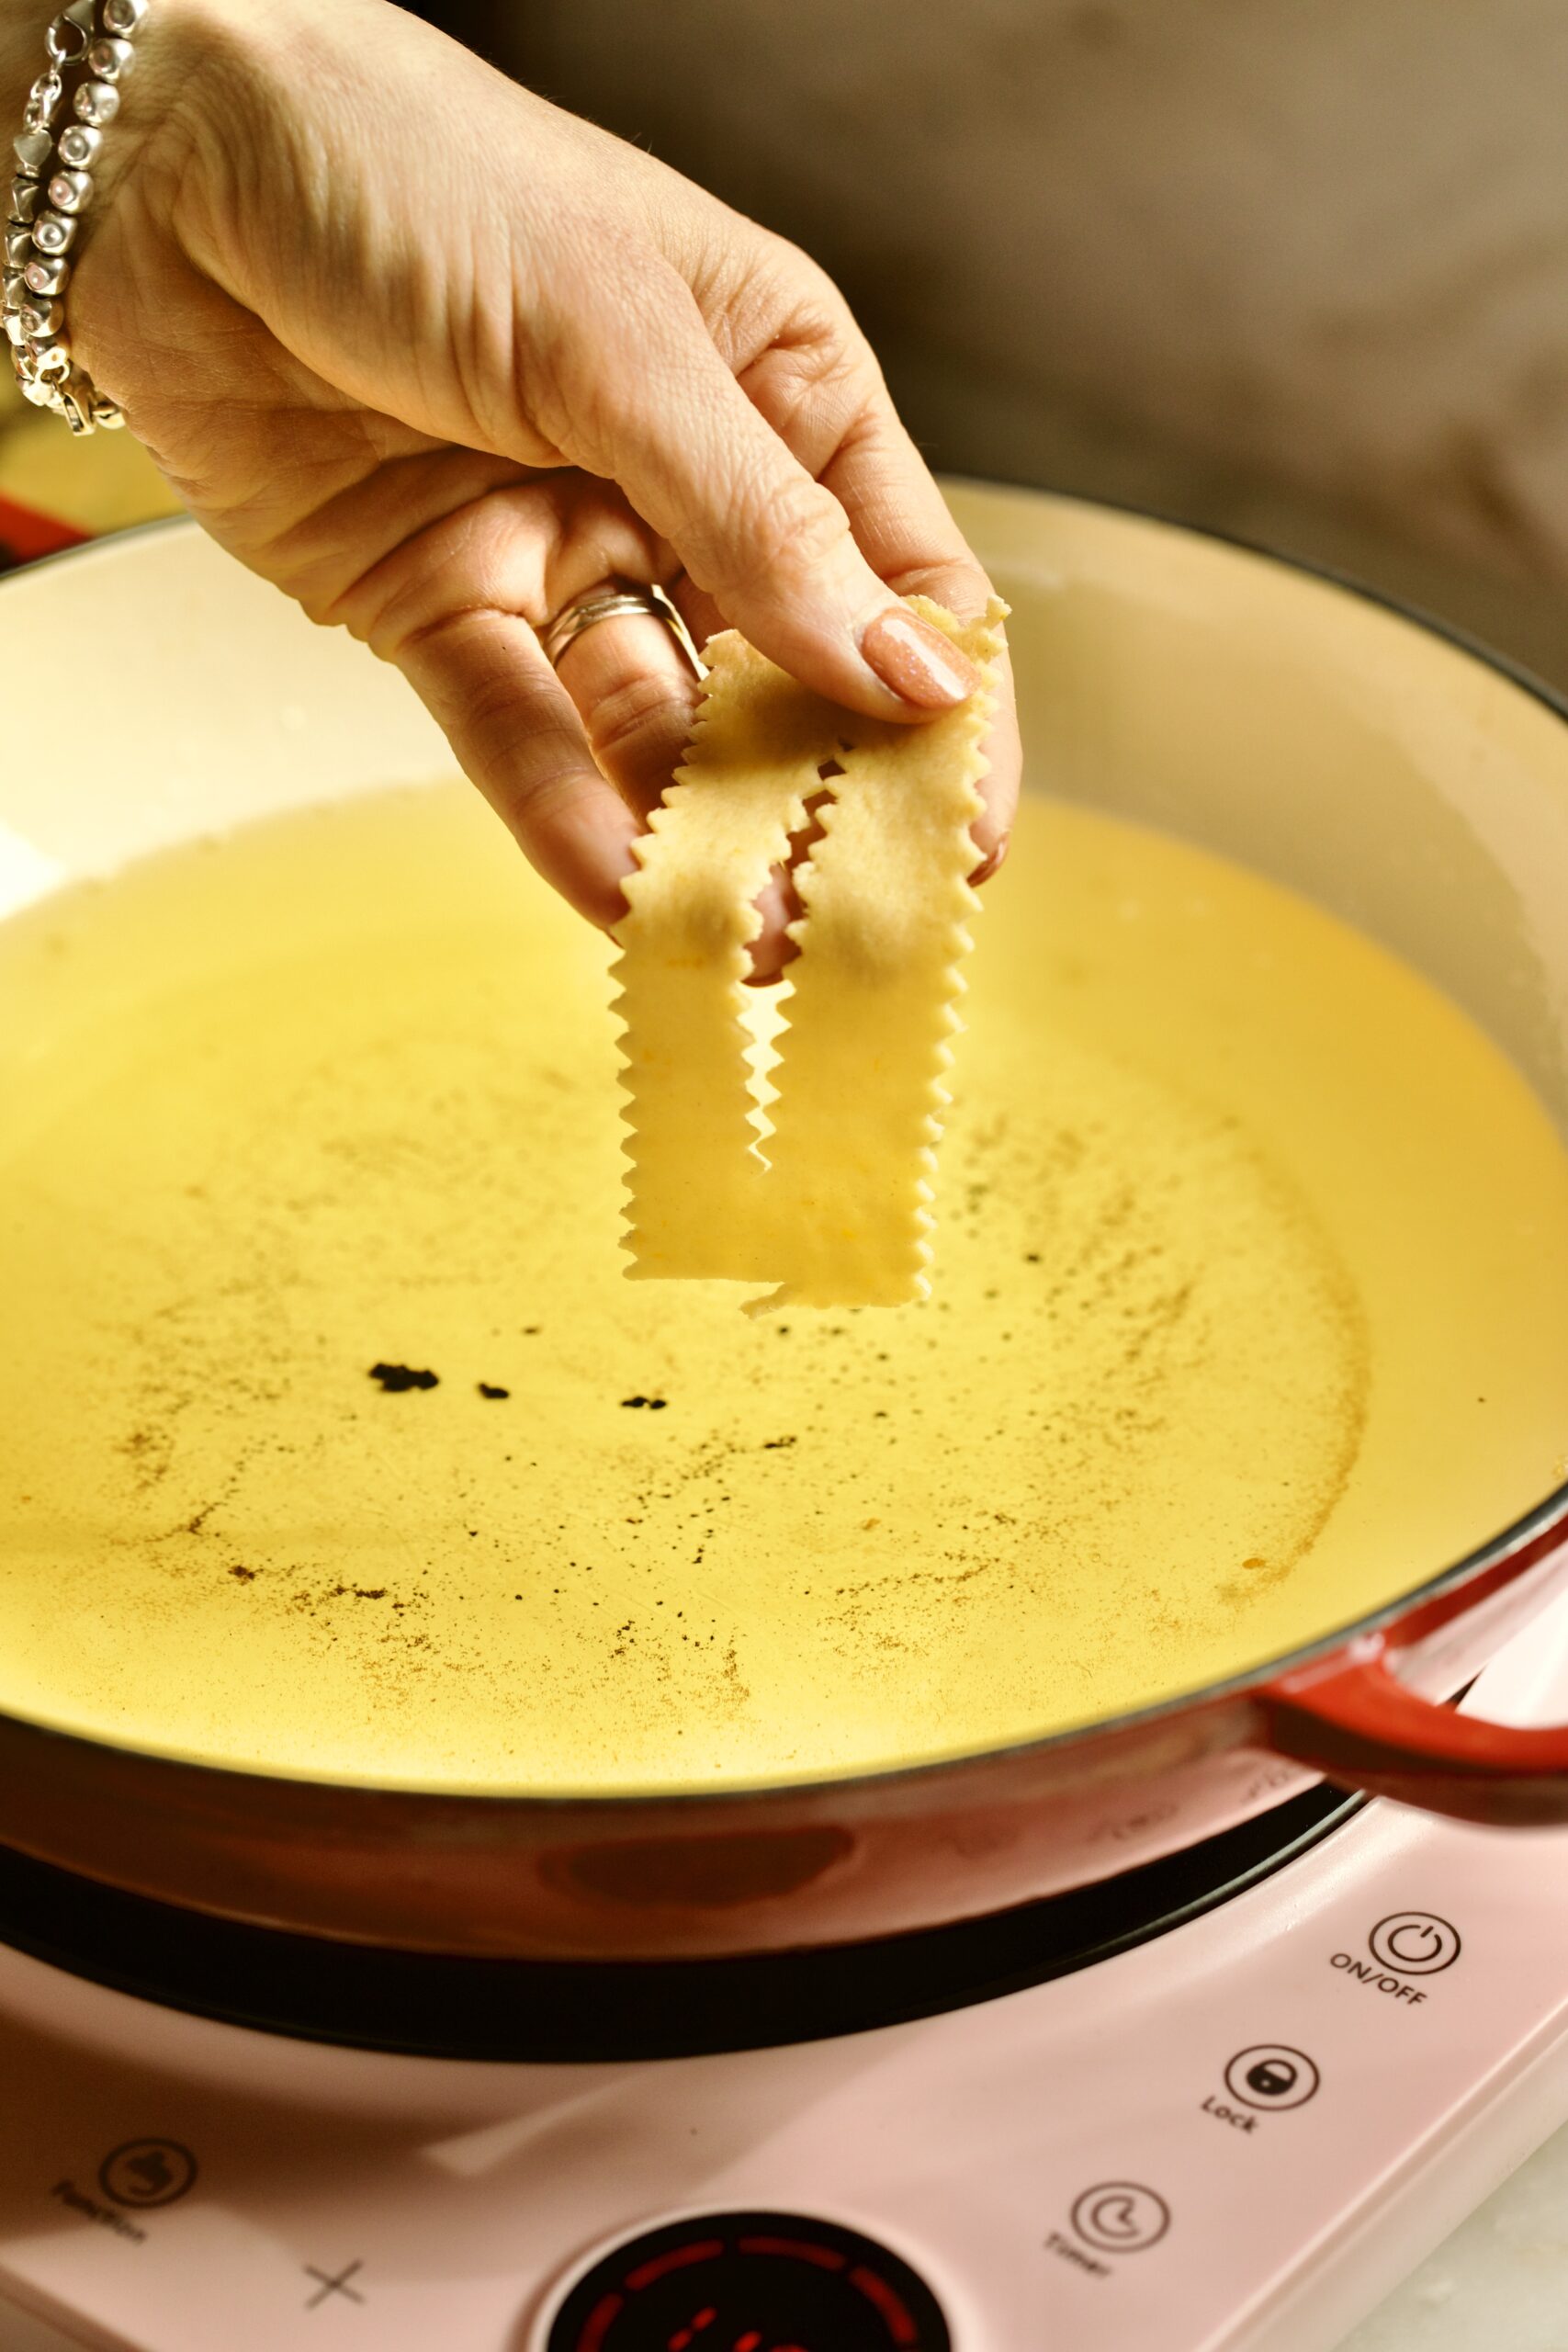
x: 693, y: 1192
x: 842, y: 1216
x: 859, y: 1076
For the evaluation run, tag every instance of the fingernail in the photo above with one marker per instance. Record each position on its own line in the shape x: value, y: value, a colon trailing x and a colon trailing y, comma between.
x: 920, y: 665
x: 991, y: 864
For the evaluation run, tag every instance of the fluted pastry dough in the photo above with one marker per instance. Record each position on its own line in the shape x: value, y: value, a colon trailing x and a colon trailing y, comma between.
x: 827, y: 1194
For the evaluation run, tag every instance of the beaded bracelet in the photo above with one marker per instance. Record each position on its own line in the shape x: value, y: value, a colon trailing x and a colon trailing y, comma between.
x: 90, y: 57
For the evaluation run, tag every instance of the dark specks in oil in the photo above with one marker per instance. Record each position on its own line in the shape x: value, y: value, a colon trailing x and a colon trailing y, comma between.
x: 395, y: 1378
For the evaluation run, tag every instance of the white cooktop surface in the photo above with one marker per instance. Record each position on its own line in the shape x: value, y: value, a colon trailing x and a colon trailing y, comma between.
x: 1237, y: 2138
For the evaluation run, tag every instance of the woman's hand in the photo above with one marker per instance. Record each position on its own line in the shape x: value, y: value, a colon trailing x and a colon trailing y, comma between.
x: 438, y: 359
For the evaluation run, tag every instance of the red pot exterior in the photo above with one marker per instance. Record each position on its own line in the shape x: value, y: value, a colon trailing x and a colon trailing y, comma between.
x: 833, y: 1862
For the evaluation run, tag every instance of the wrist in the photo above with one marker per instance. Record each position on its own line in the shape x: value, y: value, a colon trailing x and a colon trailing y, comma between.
x: 53, y: 172
x: 73, y: 140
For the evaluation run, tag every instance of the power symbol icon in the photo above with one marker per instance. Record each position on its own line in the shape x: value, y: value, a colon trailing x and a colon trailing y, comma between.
x: 1414, y: 1943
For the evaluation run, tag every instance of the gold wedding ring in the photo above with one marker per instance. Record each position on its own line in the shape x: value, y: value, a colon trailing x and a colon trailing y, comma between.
x: 614, y: 605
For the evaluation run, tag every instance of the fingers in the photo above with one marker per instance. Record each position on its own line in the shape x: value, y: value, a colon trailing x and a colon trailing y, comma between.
x: 902, y: 520
x: 1002, y: 751
x: 1000, y: 787
x: 484, y: 679
x: 772, y: 547
x: 635, y: 692
x: 961, y: 586
x: 810, y: 571
x: 817, y: 384
x: 455, y: 605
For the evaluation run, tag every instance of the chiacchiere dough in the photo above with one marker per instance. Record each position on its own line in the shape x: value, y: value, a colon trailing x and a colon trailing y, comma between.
x: 827, y: 1194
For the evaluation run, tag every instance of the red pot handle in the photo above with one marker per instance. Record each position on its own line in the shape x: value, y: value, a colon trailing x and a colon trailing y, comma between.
x: 1359, y: 1724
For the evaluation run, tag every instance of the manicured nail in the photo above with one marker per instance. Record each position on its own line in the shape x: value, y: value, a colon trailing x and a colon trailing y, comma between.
x: 920, y: 665
x: 991, y: 864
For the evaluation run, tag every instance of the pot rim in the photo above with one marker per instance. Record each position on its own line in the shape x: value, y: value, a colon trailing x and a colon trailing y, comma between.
x: 1517, y: 1536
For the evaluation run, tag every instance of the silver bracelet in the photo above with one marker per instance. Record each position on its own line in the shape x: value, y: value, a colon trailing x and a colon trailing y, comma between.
x: 91, y: 53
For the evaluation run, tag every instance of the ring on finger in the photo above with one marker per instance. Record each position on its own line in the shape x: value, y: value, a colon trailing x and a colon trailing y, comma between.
x: 614, y: 604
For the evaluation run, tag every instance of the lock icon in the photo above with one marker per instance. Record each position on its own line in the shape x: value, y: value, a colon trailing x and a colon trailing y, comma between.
x: 1272, y: 2076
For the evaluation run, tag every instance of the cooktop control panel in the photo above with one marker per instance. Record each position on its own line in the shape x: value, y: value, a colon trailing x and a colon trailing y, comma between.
x: 1234, y: 2138
x: 1239, y: 2135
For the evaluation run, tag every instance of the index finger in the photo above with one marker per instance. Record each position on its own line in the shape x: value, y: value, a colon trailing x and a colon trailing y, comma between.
x: 824, y: 395
x: 907, y: 533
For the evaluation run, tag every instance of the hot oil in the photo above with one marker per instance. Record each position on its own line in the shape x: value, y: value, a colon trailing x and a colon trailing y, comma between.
x: 1250, y: 1312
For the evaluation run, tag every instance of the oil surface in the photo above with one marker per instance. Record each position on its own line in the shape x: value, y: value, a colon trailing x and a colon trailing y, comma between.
x: 1250, y: 1312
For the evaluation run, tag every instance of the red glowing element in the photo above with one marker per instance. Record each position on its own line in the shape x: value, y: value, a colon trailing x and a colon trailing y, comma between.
x: 596, y: 2327
x: 894, y: 2311
x: 895, y: 2295
x: 679, y: 2342
x: 797, y: 2250
x: 698, y: 2250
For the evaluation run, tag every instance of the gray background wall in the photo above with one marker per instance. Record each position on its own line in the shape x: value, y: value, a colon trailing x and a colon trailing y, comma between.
x: 1295, y: 268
